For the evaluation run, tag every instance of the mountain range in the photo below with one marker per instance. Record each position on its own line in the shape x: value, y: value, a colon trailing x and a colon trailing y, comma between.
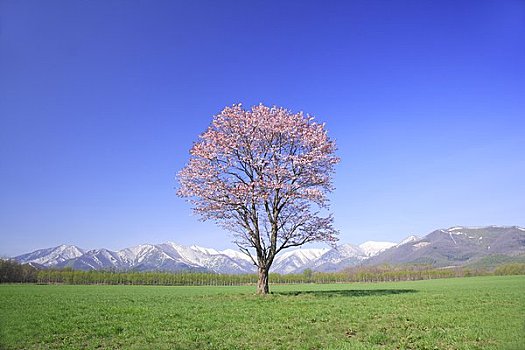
x: 456, y: 246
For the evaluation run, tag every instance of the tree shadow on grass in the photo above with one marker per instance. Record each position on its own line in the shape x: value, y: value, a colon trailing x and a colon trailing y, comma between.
x: 348, y: 292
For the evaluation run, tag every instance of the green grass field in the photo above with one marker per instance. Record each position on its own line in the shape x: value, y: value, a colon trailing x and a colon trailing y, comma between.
x: 461, y: 313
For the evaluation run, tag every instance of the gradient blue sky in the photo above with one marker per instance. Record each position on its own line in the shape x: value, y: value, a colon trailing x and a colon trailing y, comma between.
x: 100, y: 102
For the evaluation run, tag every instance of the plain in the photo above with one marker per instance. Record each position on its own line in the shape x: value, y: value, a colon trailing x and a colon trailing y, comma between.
x: 458, y: 313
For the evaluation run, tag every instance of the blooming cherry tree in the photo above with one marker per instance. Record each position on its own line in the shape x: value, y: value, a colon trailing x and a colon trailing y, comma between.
x: 263, y: 174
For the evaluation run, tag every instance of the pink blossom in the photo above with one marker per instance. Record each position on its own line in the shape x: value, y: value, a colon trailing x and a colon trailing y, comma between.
x: 263, y: 174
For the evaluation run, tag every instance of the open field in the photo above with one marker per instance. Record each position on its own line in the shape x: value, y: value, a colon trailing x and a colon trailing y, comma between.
x: 460, y: 313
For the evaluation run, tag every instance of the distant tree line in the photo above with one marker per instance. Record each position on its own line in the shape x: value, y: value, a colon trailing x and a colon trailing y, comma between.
x: 388, y: 273
x: 14, y: 272
x: 510, y: 269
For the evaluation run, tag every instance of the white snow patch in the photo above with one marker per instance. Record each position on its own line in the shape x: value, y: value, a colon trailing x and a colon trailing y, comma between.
x: 409, y: 239
x: 133, y: 253
x: 421, y: 244
x: 289, y: 261
x: 304, y: 255
x: 209, y: 251
x: 372, y: 248
x: 350, y: 250
x: 455, y: 228
x: 189, y: 254
x: 457, y: 233
x: 450, y: 234
x: 235, y: 254
x: 55, y: 255
x: 90, y: 265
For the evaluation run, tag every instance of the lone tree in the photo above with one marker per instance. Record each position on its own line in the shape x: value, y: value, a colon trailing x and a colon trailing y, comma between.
x: 263, y: 174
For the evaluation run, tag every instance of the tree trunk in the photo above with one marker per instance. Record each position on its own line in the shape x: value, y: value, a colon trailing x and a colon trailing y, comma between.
x: 262, y: 283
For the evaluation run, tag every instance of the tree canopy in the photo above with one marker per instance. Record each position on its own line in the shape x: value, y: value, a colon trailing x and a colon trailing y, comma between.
x: 263, y: 174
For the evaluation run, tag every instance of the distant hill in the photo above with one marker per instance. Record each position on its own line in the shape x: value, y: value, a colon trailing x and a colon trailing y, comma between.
x: 457, y: 246
x: 484, y: 247
x: 51, y: 256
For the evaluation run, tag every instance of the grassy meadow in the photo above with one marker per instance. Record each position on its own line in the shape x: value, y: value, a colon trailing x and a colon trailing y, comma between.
x: 459, y: 313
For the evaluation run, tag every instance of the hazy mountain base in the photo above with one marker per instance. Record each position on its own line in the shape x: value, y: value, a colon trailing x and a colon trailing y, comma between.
x: 491, y: 262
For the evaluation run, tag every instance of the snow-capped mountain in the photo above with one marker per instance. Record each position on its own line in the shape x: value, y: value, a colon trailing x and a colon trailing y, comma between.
x: 409, y: 239
x: 160, y: 257
x: 95, y: 259
x: 457, y: 246
x: 372, y: 248
x: 51, y: 256
x: 294, y: 260
x: 235, y: 254
x: 335, y: 259
x: 345, y: 255
x: 446, y: 247
x: 171, y: 256
x: 149, y: 257
x: 209, y: 258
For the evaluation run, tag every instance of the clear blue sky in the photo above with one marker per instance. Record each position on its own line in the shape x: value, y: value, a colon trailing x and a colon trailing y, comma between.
x: 100, y: 102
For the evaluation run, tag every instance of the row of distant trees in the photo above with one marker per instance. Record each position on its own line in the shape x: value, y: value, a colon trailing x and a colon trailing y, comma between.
x: 510, y: 269
x: 14, y: 272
